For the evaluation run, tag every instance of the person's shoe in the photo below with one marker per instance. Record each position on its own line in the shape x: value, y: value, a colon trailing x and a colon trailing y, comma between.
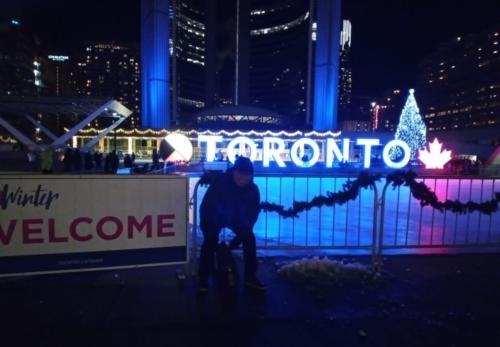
x: 254, y: 283
x: 203, y: 285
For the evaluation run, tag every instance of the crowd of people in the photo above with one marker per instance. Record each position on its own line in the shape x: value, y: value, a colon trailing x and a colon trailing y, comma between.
x: 74, y: 160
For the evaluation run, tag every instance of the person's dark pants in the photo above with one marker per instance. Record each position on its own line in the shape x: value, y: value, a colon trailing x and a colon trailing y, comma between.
x: 207, y: 254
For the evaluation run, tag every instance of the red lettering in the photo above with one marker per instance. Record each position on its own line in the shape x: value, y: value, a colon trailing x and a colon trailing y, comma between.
x: 147, y: 223
x: 5, y: 238
x: 28, y: 230
x: 162, y: 224
x: 72, y: 229
x: 116, y: 234
x: 52, y: 232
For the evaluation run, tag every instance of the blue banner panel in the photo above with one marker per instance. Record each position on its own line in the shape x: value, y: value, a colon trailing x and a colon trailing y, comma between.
x: 91, y: 260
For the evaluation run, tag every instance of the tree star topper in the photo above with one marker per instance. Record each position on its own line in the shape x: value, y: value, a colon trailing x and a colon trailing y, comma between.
x: 434, y: 158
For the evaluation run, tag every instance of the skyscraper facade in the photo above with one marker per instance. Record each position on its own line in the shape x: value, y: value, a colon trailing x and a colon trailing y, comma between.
x: 188, y: 52
x: 61, y: 69
x: 279, y: 35
x: 256, y: 53
x: 459, y: 83
x: 345, y: 73
x: 23, y: 65
x: 110, y: 70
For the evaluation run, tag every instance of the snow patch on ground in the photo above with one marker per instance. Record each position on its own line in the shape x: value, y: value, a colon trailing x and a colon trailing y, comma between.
x: 323, y: 273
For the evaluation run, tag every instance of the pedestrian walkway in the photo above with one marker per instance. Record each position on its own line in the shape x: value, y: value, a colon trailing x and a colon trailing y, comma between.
x: 428, y: 300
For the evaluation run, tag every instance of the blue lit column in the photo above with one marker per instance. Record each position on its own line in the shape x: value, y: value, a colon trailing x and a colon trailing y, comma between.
x: 155, y: 64
x: 326, y: 75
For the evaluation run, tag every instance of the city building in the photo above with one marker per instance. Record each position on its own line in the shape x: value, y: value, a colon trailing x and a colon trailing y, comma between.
x: 345, y: 73
x: 110, y: 70
x: 357, y: 126
x: 268, y: 54
x: 459, y: 84
x: 278, y: 57
x: 240, y: 117
x: 25, y: 71
x: 23, y: 66
x: 61, y: 68
x: 360, y: 112
x: 174, y: 59
x: 189, y: 42
x: 385, y: 111
x: 382, y: 112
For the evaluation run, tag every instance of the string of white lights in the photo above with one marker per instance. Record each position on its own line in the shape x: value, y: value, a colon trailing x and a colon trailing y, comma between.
x: 164, y: 132
x: 7, y: 139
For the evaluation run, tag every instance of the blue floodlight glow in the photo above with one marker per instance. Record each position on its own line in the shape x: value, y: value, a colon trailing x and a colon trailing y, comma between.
x: 155, y: 63
x: 388, y: 149
x: 272, y: 148
x: 326, y: 74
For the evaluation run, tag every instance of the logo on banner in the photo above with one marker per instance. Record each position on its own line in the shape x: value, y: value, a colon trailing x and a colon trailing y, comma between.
x: 38, y: 197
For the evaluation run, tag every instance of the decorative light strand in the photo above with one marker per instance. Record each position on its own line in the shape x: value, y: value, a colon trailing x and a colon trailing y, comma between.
x: 164, y: 132
x: 7, y: 139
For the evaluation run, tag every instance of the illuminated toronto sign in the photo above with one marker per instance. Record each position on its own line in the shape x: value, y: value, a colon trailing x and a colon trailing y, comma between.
x: 273, y: 149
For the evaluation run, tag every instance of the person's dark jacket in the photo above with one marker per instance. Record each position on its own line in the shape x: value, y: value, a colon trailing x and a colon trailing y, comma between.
x: 227, y: 205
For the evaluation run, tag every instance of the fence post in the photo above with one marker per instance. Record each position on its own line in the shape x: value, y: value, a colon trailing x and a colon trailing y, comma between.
x: 380, y: 240
x: 374, y: 232
x: 194, y: 232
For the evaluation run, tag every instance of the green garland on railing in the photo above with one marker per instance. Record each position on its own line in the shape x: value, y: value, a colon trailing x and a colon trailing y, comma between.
x: 423, y: 193
x: 350, y: 191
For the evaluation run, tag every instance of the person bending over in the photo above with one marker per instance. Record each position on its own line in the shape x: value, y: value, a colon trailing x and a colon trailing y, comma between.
x: 231, y: 201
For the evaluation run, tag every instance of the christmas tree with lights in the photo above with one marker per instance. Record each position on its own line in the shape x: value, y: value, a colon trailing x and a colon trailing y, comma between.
x: 411, y: 128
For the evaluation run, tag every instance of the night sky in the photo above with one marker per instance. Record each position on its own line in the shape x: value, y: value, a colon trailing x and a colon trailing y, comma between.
x: 389, y: 36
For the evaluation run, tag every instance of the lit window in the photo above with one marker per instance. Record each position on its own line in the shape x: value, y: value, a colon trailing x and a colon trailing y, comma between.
x: 281, y: 27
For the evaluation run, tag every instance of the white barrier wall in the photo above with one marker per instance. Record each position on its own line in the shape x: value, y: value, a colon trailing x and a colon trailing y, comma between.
x: 69, y: 223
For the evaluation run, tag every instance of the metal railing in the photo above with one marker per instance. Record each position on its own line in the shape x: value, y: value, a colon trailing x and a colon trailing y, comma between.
x: 350, y: 226
x: 394, y: 220
x: 409, y: 225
